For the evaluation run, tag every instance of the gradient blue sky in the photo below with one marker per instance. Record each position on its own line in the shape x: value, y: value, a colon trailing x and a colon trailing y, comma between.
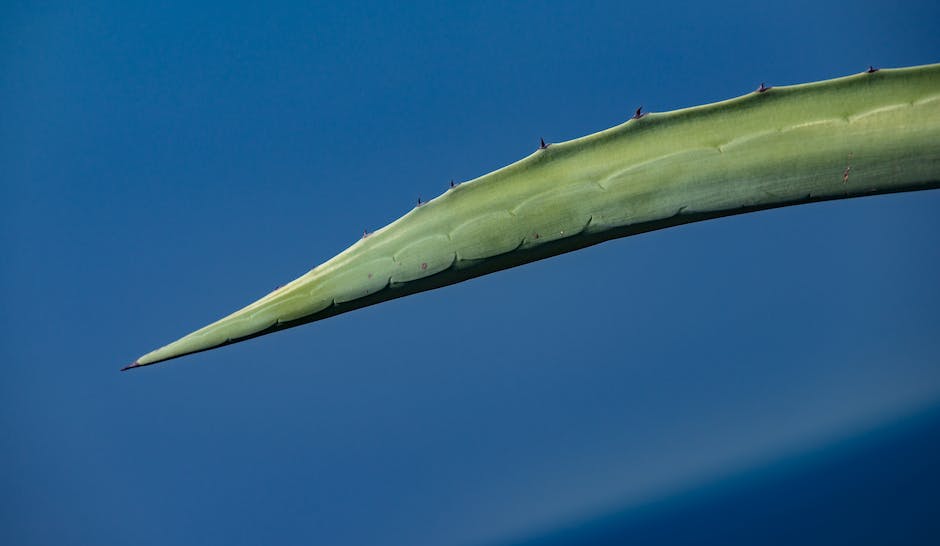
x: 162, y: 166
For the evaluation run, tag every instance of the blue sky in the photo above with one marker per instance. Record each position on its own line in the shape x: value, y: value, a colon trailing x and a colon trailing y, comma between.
x: 163, y: 166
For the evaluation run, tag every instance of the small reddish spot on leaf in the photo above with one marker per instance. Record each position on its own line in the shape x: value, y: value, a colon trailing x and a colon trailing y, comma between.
x: 424, y: 266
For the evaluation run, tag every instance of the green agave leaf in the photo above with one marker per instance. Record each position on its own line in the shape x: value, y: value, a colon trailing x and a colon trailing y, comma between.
x: 870, y: 133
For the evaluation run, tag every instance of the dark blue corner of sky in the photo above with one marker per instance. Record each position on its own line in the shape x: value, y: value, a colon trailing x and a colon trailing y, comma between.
x: 770, y: 375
